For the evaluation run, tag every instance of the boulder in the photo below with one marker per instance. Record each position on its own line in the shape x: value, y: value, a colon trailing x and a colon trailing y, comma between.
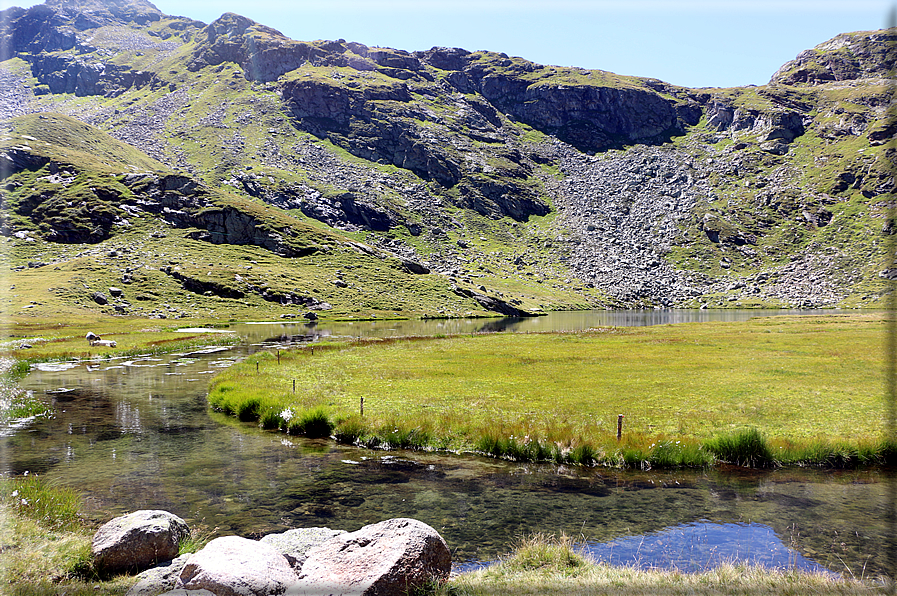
x: 158, y: 579
x: 100, y: 298
x: 234, y: 566
x: 295, y: 544
x: 396, y: 556
x: 138, y: 540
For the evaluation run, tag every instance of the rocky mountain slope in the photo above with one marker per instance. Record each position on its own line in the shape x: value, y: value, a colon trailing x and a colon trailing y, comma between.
x: 444, y: 182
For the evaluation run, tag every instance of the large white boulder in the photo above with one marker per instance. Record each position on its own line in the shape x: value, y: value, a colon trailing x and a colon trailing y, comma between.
x: 294, y: 544
x: 396, y: 556
x: 234, y: 566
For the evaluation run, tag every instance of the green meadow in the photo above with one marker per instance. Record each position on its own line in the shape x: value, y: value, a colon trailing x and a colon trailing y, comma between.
x: 770, y: 391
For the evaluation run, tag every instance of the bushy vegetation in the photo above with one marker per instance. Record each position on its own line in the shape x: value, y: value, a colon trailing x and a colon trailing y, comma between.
x: 556, y: 397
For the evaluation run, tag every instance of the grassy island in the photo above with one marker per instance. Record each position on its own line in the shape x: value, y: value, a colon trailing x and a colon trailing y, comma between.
x: 769, y: 391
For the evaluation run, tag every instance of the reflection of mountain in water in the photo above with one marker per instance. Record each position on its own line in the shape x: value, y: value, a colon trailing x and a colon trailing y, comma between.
x: 702, y: 545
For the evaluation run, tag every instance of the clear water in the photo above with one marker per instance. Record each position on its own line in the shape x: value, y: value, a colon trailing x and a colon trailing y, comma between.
x: 137, y: 433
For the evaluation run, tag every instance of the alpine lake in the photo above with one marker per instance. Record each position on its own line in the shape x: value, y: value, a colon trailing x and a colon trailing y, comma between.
x: 137, y: 433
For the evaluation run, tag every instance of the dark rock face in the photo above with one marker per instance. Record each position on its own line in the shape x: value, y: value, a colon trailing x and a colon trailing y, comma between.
x: 68, y: 74
x: 589, y: 118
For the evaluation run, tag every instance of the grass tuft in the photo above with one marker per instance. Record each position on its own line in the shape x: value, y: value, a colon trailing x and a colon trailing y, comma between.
x: 314, y: 423
x: 746, y: 447
x: 544, y: 552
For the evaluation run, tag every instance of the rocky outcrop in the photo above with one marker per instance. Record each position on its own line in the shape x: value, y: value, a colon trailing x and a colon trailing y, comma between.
x: 397, y: 556
x: 779, y: 125
x: 70, y: 74
x: 138, y: 540
x: 263, y: 53
x: 849, y: 56
x: 234, y: 566
x: 39, y: 33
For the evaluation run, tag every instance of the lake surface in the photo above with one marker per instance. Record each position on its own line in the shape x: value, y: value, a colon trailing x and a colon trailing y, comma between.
x: 137, y: 434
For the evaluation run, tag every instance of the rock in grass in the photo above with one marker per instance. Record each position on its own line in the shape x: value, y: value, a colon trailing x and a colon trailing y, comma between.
x: 396, y: 556
x: 100, y: 298
x: 138, y: 540
x: 160, y: 578
x: 295, y: 544
x: 235, y: 566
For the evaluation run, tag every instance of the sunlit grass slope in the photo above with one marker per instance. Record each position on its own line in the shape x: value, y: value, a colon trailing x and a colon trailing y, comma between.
x: 810, y: 387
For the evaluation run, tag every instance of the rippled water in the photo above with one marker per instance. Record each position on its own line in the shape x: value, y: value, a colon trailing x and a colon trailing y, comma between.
x: 137, y: 433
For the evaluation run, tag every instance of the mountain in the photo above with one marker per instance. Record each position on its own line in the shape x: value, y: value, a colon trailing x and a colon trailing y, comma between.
x: 361, y: 180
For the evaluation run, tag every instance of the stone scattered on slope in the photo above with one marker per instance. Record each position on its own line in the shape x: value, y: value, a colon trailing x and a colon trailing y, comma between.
x: 138, y: 540
x: 391, y: 557
x: 235, y: 566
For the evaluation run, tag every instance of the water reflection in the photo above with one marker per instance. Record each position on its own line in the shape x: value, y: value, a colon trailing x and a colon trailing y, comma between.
x: 137, y: 433
x: 291, y: 332
x: 702, y: 545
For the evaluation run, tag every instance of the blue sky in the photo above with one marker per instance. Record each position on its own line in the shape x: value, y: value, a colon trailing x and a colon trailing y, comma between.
x: 696, y: 43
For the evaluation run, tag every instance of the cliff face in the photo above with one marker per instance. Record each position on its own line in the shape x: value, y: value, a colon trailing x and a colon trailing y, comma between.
x: 618, y: 190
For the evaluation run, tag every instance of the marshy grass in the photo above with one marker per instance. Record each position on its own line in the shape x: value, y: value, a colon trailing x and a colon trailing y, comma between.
x: 766, y: 392
x: 45, y: 542
x: 57, y: 508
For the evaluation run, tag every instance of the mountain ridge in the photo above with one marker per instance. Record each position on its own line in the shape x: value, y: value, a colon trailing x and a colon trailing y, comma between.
x: 550, y: 186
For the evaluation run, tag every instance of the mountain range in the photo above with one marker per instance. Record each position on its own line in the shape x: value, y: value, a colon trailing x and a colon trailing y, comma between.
x: 225, y: 170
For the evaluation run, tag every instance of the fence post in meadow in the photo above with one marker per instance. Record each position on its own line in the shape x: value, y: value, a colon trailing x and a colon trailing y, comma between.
x: 362, y: 407
x: 619, y: 426
x: 278, y: 356
x: 294, y: 385
x: 256, y: 366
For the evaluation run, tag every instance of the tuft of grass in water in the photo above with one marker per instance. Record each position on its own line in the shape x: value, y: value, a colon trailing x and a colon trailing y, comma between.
x: 544, y: 552
x: 746, y: 447
x: 314, y: 423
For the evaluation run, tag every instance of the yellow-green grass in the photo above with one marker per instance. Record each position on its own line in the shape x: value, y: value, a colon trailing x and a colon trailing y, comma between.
x: 810, y: 387
x: 45, y: 543
x: 546, y: 565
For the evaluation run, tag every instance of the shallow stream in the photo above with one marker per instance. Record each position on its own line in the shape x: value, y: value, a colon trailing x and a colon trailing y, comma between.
x: 137, y: 434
